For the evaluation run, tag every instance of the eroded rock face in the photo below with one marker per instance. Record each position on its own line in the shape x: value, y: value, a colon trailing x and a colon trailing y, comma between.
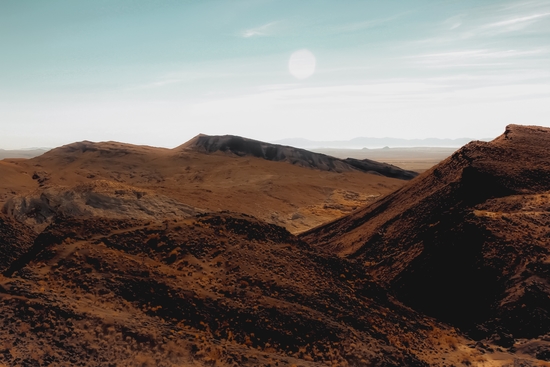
x: 468, y: 241
x: 98, y: 199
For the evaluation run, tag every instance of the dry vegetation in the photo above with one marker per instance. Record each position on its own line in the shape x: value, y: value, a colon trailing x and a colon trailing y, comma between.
x: 212, y: 290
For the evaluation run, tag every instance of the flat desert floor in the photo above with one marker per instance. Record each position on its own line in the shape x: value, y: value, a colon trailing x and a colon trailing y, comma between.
x: 416, y: 159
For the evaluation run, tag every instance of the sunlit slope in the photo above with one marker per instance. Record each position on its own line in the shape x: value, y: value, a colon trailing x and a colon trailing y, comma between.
x: 280, y: 192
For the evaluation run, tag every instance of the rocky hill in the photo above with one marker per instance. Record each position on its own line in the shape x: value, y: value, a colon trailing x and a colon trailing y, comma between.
x: 468, y: 241
x: 222, y: 289
x: 298, y: 197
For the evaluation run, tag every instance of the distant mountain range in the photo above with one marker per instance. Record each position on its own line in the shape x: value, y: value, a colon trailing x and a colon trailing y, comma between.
x: 22, y: 153
x: 365, y: 142
x: 355, y: 143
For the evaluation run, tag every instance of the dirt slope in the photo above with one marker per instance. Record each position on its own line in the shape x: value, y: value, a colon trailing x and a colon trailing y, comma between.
x: 467, y: 241
x: 98, y: 198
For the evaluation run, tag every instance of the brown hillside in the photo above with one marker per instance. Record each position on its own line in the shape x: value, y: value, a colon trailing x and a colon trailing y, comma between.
x: 296, y: 197
x: 468, y: 241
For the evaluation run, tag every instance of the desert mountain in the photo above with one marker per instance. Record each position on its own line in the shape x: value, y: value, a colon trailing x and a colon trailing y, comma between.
x: 112, y: 254
x: 297, y: 197
x: 22, y: 153
x: 300, y: 157
x: 468, y: 241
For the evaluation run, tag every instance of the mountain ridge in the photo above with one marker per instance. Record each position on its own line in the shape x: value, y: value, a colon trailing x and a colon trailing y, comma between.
x: 456, y: 242
x: 242, y: 146
x: 300, y: 196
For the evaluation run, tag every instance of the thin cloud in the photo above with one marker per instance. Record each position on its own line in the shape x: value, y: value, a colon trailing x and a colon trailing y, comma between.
x: 526, y: 4
x: 520, y: 21
x: 353, y: 27
x: 462, y: 27
x: 473, y: 58
x: 453, y: 22
x: 179, y: 78
x: 263, y: 30
x: 455, y: 25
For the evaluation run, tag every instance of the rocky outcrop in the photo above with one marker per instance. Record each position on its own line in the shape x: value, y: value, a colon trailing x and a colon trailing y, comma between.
x: 99, y: 198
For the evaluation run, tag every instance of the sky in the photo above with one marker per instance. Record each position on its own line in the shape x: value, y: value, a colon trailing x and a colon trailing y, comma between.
x: 159, y: 72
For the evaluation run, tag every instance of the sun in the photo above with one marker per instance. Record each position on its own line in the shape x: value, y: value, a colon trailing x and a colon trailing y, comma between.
x: 302, y: 64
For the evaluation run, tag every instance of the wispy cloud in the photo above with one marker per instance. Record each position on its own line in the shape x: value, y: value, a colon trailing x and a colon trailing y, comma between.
x: 525, y: 4
x: 491, y: 22
x: 263, y: 30
x: 516, y: 23
x: 473, y: 58
x: 453, y: 22
x: 179, y: 78
x: 372, y: 23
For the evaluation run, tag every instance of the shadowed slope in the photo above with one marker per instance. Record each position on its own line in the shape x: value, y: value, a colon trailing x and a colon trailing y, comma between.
x: 467, y: 241
x: 15, y: 239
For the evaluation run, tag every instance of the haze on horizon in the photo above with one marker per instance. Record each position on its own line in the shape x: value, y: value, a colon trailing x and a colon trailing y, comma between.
x: 159, y: 73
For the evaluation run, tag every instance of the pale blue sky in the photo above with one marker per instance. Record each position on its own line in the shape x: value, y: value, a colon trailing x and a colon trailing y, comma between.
x: 160, y: 72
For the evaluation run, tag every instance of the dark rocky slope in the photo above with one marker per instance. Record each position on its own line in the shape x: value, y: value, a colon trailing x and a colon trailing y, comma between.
x: 15, y: 240
x: 223, y: 289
